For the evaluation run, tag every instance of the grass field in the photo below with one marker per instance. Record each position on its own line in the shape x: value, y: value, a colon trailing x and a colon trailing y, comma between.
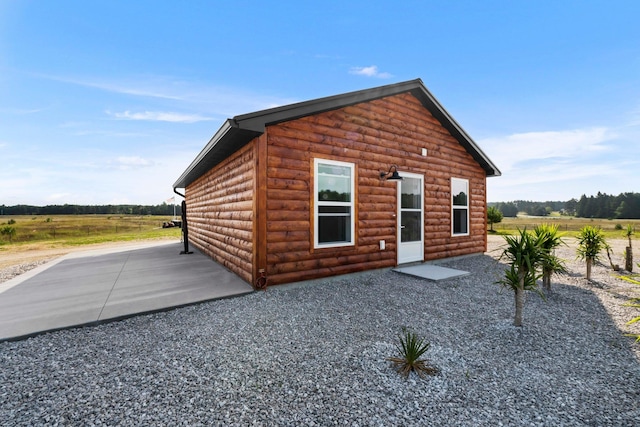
x: 73, y: 230
x: 568, y: 225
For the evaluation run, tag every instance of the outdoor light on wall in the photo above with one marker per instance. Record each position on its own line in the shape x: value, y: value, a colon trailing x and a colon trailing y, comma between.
x: 391, y: 175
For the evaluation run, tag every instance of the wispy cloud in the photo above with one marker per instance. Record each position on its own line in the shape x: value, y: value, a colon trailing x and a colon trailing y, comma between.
x: 215, y: 100
x: 371, y: 71
x: 21, y: 111
x: 55, y: 197
x: 160, y: 116
x: 508, y: 151
x: 146, y: 87
x: 558, y: 165
x: 132, y: 162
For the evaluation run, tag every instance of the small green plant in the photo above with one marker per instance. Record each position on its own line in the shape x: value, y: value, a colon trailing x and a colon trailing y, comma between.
x: 11, y: 221
x: 8, y: 230
x: 635, y: 302
x: 411, y: 349
x: 591, y: 242
x: 618, y: 227
x: 615, y: 267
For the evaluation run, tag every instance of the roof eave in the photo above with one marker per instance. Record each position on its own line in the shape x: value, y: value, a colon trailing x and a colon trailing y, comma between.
x: 240, y: 130
x: 226, y: 140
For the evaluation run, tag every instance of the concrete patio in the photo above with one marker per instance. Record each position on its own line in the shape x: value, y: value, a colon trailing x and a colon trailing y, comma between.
x: 91, y: 287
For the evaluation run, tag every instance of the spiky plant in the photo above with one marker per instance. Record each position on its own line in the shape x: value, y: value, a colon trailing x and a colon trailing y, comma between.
x: 549, y: 238
x: 411, y: 349
x: 635, y: 302
x: 525, y: 255
x: 591, y: 242
x: 628, y: 262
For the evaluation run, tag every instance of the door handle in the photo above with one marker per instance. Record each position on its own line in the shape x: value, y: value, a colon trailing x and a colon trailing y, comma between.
x: 402, y: 226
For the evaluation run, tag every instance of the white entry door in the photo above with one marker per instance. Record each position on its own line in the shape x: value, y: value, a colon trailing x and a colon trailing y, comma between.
x: 410, y: 218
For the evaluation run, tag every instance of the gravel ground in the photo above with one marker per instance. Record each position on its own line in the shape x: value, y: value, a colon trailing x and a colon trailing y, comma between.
x: 315, y: 355
x: 12, y: 271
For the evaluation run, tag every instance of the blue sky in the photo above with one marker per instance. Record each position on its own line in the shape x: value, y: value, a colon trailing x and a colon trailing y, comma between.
x: 109, y: 101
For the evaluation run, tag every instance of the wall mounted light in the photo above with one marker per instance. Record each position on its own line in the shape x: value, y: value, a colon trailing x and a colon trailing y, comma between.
x: 391, y: 175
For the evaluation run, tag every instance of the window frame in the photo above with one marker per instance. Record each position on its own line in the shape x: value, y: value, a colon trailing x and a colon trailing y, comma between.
x: 455, y: 208
x: 318, y: 203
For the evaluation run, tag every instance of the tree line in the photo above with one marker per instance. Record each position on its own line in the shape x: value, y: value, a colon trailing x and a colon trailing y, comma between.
x: 163, y: 209
x: 602, y: 205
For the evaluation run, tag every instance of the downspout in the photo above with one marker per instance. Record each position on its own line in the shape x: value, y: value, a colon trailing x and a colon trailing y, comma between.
x: 185, y: 228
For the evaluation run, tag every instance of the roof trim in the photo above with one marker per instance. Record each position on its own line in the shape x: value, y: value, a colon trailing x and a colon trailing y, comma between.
x: 240, y: 130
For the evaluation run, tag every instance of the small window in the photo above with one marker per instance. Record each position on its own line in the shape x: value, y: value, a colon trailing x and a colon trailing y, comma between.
x: 459, y: 207
x: 334, y: 204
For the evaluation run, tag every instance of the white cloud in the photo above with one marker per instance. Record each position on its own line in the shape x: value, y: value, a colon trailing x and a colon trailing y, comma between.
x: 55, y: 197
x: 209, y: 99
x: 144, y: 87
x: 559, y: 165
x: 511, y: 150
x: 21, y: 111
x: 160, y: 116
x: 132, y: 162
x: 371, y: 71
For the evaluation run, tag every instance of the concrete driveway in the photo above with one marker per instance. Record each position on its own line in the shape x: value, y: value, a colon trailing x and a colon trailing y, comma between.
x: 90, y: 287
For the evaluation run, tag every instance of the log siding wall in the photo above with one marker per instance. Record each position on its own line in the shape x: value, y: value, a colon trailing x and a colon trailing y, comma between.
x: 220, y: 212
x: 373, y: 136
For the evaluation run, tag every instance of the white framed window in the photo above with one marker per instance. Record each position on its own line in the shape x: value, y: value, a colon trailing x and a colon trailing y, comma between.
x: 334, y: 220
x: 459, y: 207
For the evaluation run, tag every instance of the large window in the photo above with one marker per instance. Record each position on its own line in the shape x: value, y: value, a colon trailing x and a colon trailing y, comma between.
x: 334, y: 212
x: 459, y: 206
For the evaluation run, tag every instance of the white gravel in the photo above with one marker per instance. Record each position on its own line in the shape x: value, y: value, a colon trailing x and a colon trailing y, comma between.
x: 315, y: 355
x: 10, y: 272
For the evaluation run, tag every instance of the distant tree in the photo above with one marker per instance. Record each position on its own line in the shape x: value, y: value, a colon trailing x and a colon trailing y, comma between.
x: 494, y: 216
x: 509, y: 210
x: 570, y: 207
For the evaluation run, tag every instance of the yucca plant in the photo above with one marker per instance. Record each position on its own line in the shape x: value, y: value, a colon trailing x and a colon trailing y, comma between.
x: 411, y: 349
x: 591, y: 242
x: 635, y: 302
x: 525, y: 255
x: 628, y: 259
x: 549, y: 238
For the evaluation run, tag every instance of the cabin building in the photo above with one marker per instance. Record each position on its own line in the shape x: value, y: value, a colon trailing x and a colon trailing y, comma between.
x: 308, y: 190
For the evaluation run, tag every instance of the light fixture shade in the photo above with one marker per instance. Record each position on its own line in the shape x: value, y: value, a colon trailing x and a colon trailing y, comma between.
x: 392, y: 174
x: 395, y: 175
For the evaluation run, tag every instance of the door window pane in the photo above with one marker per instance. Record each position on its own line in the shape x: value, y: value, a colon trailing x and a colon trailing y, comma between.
x: 411, y: 197
x: 410, y: 230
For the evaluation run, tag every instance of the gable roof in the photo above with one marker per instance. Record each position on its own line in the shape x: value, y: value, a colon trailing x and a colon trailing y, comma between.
x: 240, y: 130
